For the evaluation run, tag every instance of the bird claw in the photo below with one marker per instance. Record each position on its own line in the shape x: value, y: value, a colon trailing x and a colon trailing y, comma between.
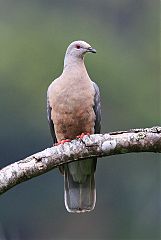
x: 82, y: 135
x: 62, y: 142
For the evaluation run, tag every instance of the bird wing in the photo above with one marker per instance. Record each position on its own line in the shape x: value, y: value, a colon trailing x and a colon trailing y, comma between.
x: 51, y: 124
x: 97, y: 109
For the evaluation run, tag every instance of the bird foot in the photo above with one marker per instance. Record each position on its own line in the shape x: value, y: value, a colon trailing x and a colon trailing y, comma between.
x: 82, y: 135
x: 62, y: 142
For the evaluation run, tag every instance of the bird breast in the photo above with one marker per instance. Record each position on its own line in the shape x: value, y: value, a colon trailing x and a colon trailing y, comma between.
x: 72, y: 108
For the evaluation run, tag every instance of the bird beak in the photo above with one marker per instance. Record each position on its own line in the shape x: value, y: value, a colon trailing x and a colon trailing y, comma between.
x: 92, y: 50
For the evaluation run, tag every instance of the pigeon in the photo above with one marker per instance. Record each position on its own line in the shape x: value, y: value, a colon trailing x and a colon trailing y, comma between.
x: 74, y: 110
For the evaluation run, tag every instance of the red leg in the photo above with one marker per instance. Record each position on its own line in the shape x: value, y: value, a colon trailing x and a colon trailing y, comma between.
x: 62, y: 142
x: 82, y: 135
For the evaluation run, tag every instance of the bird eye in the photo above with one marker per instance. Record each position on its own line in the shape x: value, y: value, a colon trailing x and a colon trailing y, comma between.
x: 78, y: 46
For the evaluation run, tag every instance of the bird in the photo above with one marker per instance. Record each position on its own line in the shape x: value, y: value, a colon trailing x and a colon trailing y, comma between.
x: 74, y: 110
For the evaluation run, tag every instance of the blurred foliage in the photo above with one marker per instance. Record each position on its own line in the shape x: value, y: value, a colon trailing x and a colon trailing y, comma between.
x: 34, y: 37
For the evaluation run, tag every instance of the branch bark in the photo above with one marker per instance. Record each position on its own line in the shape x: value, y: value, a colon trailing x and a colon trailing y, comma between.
x: 120, y: 142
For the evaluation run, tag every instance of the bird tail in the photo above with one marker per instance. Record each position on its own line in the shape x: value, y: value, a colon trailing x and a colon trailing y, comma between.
x: 79, y: 194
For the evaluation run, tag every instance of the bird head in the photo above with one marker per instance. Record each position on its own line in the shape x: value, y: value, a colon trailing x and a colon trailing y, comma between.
x: 78, y: 49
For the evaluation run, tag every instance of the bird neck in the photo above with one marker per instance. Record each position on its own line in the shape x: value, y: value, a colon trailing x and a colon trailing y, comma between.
x: 71, y: 62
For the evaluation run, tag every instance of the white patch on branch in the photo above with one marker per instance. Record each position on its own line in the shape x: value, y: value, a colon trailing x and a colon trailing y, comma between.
x: 107, y: 146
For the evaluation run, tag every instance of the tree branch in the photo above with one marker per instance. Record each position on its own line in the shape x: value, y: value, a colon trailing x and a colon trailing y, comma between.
x: 134, y: 140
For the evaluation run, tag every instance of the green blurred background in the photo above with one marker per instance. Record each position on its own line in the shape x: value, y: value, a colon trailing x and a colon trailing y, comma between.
x: 33, y: 38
